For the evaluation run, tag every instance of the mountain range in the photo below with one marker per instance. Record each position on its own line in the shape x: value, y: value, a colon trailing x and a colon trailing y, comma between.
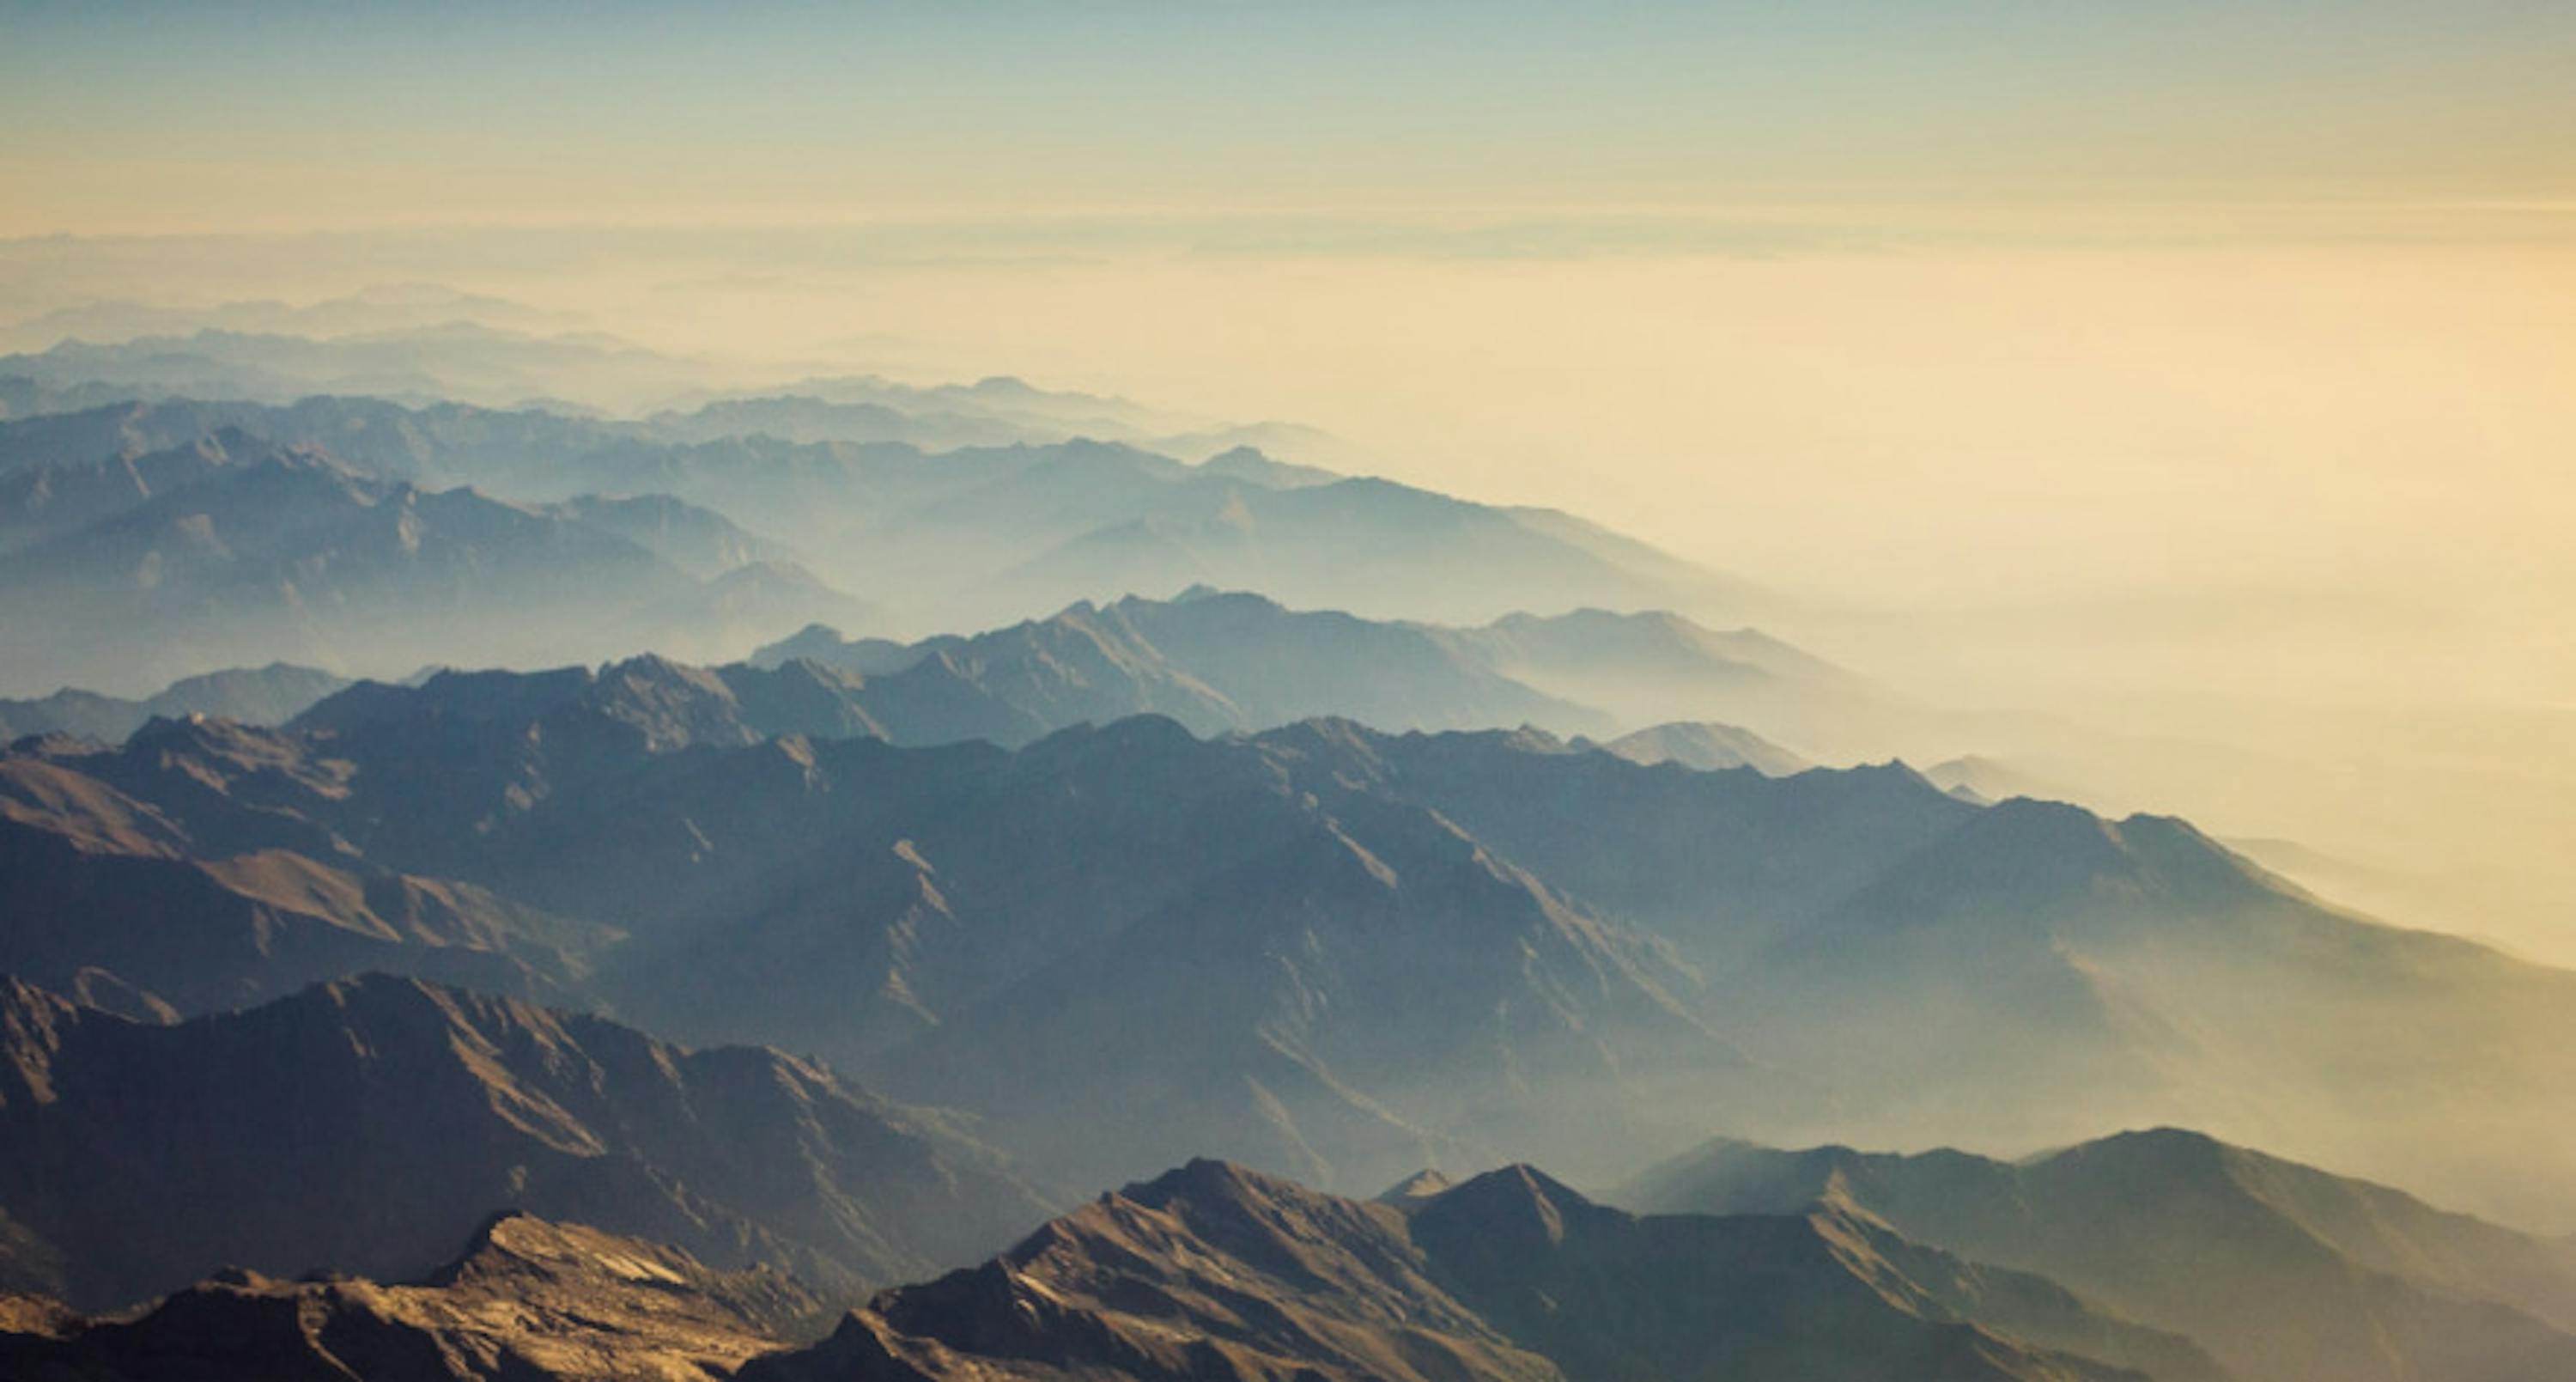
x: 2285, y: 1272
x: 1215, y: 661
x: 1218, y: 662
x: 963, y: 537
x: 443, y: 357
x: 269, y: 695
x: 370, y: 1124
x: 1209, y: 1270
x: 424, y: 345
x: 374, y: 309
x: 135, y: 569
x: 1023, y: 933
x: 1236, y: 660
x: 1216, y: 1271
x: 527, y: 1299
x: 2158, y: 1255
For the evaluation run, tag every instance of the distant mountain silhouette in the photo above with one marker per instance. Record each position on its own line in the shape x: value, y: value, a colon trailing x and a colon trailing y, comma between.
x: 269, y: 695
x: 1213, y: 661
x: 1217, y: 662
x: 2285, y: 1272
x: 424, y: 361
x: 231, y: 546
x: 435, y: 446
x: 699, y: 541
x: 1653, y: 666
x: 1988, y: 779
x: 376, y: 308
x: 1221, y: 661
x: 1370, y: 546
x: 968, y: 534
x: 1707, y: 748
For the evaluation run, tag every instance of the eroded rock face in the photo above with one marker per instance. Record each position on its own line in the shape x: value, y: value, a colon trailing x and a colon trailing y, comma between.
x: 529, y: 1299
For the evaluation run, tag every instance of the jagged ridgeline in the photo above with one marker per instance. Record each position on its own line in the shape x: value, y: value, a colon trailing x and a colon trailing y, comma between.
x: 1128, y: 944
x: 1216, y: 1270
x: 1216, y: 661
x: 1210, y: 1270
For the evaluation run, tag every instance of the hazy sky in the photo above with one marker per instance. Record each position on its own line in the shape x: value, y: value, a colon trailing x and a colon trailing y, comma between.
x: 143, y: 117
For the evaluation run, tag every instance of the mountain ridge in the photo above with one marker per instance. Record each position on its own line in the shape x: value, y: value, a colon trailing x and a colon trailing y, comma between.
x: 2286, y: 1272
x: 526, y: 1299
x: 1213, y: 1269
x: 371, y: 1123
x: 1632, y: 941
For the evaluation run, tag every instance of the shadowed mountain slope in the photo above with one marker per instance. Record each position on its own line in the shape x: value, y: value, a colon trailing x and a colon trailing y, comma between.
x: 269, y: 695
x: 99, y: 885
x: 368, y: 1123
x: 439, y: 359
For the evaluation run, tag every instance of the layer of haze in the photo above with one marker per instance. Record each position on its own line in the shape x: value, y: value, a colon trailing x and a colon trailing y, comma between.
x: 2198, y: 374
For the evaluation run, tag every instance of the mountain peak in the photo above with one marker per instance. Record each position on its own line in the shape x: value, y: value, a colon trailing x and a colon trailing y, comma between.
x: 2168, y: 1151
x: 1418, y: 1189
x: 1517, y: 1205
x: 1209, y: 1179
x: 514, y: 1243
x: 556, y: 1301
x: 492, y: 1237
